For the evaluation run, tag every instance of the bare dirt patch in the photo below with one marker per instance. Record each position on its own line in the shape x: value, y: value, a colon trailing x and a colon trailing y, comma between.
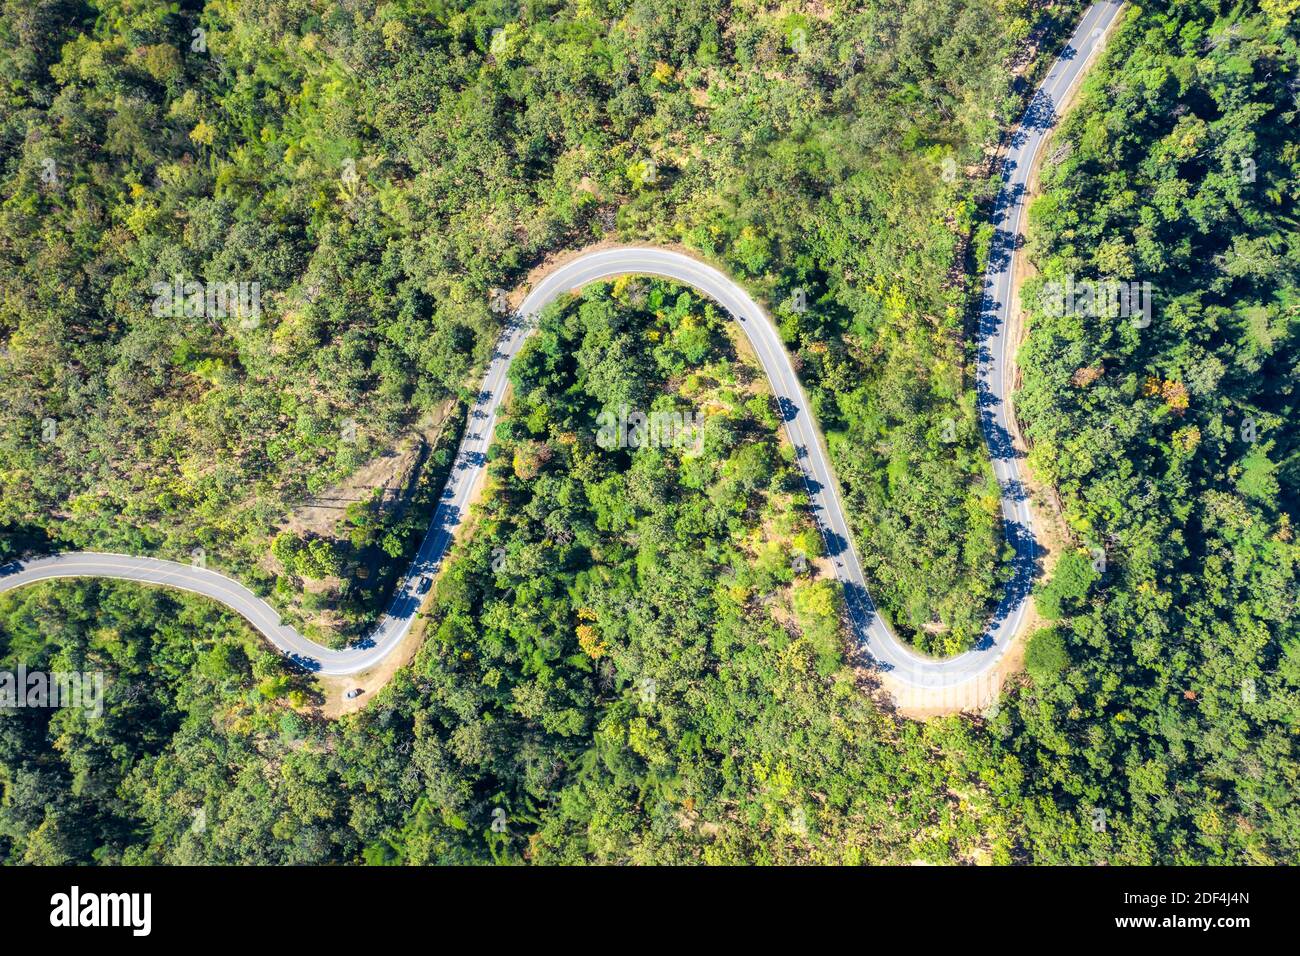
x: 372, y: 681
x: 391, y: 474
x: 389, y: 478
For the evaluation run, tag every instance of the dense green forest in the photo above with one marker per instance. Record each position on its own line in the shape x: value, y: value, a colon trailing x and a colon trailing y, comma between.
x: 1174, y: 443
x: 625, y: 661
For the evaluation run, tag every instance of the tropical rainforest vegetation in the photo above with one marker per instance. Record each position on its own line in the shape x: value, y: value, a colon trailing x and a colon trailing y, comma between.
x: 1173, y: 444
x: 633, y: 657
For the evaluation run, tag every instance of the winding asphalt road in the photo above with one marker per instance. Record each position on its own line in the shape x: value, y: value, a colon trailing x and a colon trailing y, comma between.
x: 904, y: 664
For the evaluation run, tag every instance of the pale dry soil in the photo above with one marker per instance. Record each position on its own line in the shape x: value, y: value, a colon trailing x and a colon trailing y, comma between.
x: 393, y: 474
